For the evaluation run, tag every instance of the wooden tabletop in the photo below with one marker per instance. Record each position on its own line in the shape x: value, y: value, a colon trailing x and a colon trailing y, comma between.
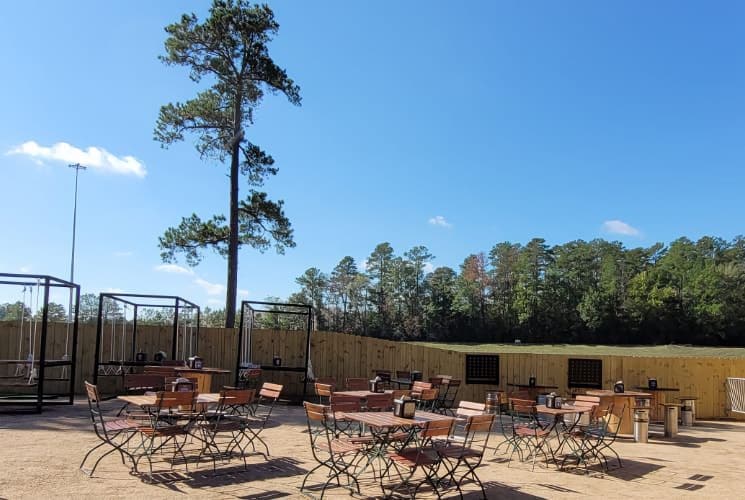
x: 658, y: 389
x: 564, y: 410
x: 151, y: 399
x: 528, y: 386
x: 613, y: 394
x: 388, y: 419
x: 356, y: 394
x: 186, y: 369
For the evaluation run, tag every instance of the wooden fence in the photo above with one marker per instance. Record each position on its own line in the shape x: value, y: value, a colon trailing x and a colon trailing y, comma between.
x: 340, y: 356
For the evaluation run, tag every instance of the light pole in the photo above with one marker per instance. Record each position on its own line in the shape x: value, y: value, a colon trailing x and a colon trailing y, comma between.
x: 78, y: 167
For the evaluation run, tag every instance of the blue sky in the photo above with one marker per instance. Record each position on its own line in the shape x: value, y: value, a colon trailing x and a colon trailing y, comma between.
x: 446, y: 124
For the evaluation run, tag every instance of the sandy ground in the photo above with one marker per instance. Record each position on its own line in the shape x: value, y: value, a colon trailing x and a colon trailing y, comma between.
x: 41, y: 453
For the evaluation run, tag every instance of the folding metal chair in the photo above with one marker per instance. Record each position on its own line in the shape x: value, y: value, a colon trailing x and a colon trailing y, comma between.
x: 261, y: 412
x: 323, y: 391
x: 357, y: 384
x: 462, y: 460
x: 113, y: 432
x: 170, y: 419
x: 447, y: 397
x: 528, y: 432
x: 379, y: 402
x: 227, y: 419
x: 336, y: 455
x: 424, y: 457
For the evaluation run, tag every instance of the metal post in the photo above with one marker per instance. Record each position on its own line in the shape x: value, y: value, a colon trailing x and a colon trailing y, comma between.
x: 74, y: 357
x: 174, y: 340
x: 307, y: 351
x: 99, y: 333
x: 78, y: 167
x: 240, y: 343
x: 134, y: 334
x: 42, y: 349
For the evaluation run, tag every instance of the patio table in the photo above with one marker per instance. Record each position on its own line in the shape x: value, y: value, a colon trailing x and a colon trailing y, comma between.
x: 559, y: 426
x: 625, y: 400
x: 383, y: 425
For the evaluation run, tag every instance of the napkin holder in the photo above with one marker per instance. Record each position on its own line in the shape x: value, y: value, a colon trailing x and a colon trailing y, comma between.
x: 404, y: 408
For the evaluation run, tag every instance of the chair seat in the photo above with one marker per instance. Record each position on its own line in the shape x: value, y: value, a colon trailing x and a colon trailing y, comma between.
x: 121, y: 424
x: 457, y: 451
x: 412, y: 457
x: 340, y: 447
x: 530, y: 431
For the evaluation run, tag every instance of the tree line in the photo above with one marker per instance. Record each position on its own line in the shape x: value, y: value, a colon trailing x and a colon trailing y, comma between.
x: 582, y: 291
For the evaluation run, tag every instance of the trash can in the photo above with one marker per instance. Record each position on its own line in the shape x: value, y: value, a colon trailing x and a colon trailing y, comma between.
x: 641, y: 425
x: 686, y: 412
x: 671, y: 420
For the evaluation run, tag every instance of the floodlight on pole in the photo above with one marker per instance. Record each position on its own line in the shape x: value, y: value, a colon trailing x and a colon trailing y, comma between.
x: 78, y: 167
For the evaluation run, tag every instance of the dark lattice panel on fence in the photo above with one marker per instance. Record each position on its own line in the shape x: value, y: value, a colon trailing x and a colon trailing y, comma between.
x: 587, y: 373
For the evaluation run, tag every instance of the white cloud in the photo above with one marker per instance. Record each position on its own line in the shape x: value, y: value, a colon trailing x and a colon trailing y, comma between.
x: 93, y: 156
x: 242, y: 293
x: 173, y: 269
x: 25, y: 269
x: 210, y: 288
x: 620, y: 227
x: 123, y: 253
x: 439, y: 220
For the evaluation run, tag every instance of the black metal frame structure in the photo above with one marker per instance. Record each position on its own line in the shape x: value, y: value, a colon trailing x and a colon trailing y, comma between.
x: 40, y: 398
x: 136, y: 301
x: 248, y: 312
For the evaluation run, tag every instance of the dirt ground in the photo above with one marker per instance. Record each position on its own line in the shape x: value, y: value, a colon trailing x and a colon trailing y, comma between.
x: 41, y: 454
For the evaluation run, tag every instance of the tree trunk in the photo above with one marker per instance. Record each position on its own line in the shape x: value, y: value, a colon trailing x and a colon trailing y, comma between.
x: 232, y: 287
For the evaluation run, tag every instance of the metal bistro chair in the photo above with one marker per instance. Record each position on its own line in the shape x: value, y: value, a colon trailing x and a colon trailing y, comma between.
x: 261, y: 412
x: 139, y: 383
x: 448, y: 395
x: 462, y: 460
x: 530, y: 435
x: 226, y: 419
x: 424, y: 456
x: 357, y: 384
x: 113, y: 432
x: 379, y: 402
x: 323, y: 391
x: 337, y: 455
x: 171, y: 418
x: 343, y: 425
x: 427, y: 400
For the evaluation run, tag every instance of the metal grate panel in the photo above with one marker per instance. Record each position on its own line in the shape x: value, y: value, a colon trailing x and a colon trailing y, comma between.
x: 482, y: 369
x: 587, y: 373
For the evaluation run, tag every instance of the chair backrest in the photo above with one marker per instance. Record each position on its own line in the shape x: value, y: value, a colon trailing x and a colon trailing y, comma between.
x: 444, y: 377
x: 419, y: 386
x: 237, y: 397
x: 344, y: 398
x: 470, y: 405
x: 379, y: 402
x: 345, y: 406
x: 357, y: 384
x: 270, y: 391
x: 437, y: 381
x: 477, y: 431
x: 398, y: 394
x: 93, y: 402
x: 324, y: 390
x: 143, y: 382
x: 437, y: 428
x: 403, y: 374
x: 326, y: 380
x: 167, y: 400
x: 428, y: 395
x: 319, y: 427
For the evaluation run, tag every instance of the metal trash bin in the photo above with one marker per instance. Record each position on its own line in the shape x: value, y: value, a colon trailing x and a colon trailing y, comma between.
x: 687, y: 417
x: 671, y: 420
x: 641, y: 425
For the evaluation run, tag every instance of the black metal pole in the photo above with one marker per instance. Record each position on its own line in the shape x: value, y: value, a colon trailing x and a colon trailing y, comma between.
x: 99, y: 330
x: 134, y: 334
x: 174, y: 341
x: 73, y: 361
x: 307, y: 351
x: 240, y: 343
x: 42, y: 349
x: 199, y: 320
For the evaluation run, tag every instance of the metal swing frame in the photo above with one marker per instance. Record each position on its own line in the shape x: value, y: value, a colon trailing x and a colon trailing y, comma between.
x: 36, y: 402
x: 248, y: 310
x: 136, y: 300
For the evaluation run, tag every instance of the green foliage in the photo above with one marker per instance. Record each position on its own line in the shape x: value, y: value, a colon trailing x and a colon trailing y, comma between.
x: 596, y: 291
x: 230, y: 51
